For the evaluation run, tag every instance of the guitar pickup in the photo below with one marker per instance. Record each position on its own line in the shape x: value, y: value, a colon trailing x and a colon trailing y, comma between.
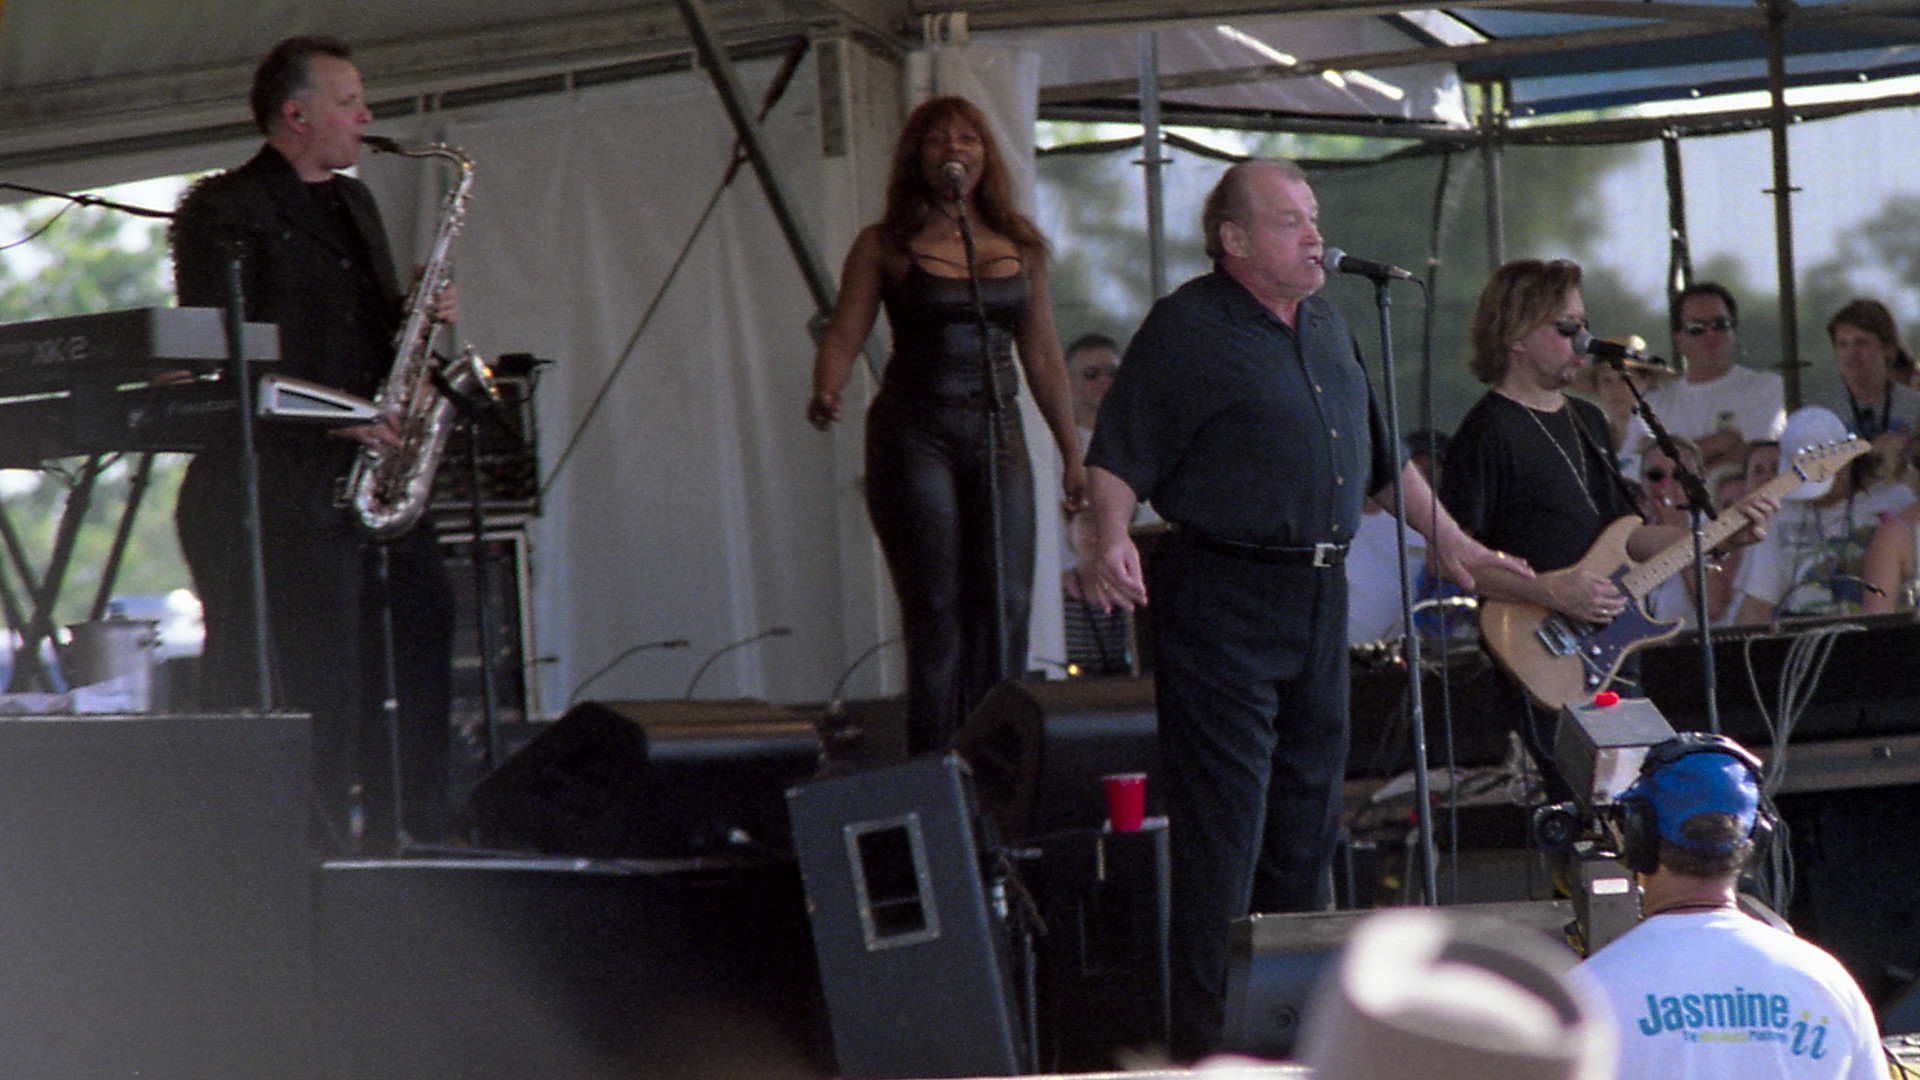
x: 1559, y: 636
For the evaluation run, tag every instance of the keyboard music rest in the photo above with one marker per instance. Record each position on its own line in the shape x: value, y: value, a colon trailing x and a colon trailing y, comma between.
x: 119, y: 346
x: 1870, y: 685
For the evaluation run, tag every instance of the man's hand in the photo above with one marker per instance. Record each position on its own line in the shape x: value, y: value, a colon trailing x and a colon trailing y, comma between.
x: 1107, y: 554
x: 1117, y: 580
x: 1586, y: 595
x: 1719, y: 447
x: 445, y: 306
x: 1461, y: 555
x: 1758, y: 509
x: 382, y: 434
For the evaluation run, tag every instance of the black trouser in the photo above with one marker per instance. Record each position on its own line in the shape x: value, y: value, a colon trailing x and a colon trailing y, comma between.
x: 326, y: 638
x: 1251, y: 688
x: 927, y: 495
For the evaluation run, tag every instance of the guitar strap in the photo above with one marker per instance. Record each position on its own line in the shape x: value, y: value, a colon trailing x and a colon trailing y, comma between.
x: 1609, y: 467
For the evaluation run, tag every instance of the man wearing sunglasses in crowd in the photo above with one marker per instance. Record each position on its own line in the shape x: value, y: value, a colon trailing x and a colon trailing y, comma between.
x: 1719, y: 404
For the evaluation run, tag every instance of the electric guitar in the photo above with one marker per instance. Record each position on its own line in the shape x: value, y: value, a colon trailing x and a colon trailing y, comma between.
x: 1561, y: 659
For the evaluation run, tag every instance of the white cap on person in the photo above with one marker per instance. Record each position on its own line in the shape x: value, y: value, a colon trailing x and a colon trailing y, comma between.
x: 1807, y: 428
x: 1443, y: 995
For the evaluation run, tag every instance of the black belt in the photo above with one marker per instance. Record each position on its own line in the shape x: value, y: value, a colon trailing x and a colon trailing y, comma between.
x: 1322, y: 556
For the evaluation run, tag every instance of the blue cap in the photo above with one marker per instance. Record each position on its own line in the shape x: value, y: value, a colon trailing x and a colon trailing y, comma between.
x: 1704, y: 782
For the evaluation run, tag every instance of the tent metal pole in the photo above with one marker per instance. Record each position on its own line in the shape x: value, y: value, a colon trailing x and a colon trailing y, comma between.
x: 1490, y: 140
x: 1778, y: 12
x: 1679, y: 247
x: 720, y: 69
x: 1152, y: 159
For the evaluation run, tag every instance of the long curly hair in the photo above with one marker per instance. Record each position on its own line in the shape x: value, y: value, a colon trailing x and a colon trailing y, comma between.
x: 911, y: 199
x: 1520, y: 296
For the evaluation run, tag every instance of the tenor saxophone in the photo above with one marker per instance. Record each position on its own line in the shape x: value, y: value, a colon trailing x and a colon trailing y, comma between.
x: 389, y: 488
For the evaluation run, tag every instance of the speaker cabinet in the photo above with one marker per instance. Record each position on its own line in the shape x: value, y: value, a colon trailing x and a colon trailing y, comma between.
x: 1103, y: 959
x: 913, y: 960
x: 158, y: 908
x: 508, y: 660
x: 650, y: 779
x: 1039, y: 749
x: 1274, y: 962
x: 508, y: 969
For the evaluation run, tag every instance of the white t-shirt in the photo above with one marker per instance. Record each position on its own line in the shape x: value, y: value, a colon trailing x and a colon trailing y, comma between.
x: 1718, y: 995
x: 1757, y: 400
x: 1812, y: 557
x: 1373, y: 600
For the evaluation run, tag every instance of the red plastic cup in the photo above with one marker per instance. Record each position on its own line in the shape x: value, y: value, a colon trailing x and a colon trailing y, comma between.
x: 1126, y: 801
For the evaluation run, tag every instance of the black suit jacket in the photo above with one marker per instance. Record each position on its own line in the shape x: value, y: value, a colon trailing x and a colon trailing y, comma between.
x: 295, y: 272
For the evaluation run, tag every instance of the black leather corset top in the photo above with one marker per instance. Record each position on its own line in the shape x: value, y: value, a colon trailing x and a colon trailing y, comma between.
x: 936, y: 334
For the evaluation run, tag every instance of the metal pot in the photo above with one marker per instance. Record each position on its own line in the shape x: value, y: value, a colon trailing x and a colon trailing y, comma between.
x: 113, y: 649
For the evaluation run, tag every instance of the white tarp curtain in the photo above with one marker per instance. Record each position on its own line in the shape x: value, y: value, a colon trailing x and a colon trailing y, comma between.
x: 698, y: 504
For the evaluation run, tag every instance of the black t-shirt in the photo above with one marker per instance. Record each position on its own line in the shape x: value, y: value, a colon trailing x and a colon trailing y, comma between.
x: 1232, y: 422
x: 1531, y: 483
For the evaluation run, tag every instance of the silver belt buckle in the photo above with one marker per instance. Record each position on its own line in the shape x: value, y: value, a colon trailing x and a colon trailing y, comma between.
x: 1323, y: 555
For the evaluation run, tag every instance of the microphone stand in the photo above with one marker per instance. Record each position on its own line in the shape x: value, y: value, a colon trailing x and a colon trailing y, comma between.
x: 990, y: 415
x: 1699, y: 511
x: 771, y: 631
x: 1416, y: 711
x: 480, y: 410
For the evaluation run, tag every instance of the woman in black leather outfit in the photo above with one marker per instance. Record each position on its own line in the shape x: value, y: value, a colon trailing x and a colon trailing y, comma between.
x: 926, y: 476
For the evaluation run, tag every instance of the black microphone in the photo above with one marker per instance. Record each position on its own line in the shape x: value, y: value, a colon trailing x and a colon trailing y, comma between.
x: 1334, y: 259
x: 771, y: 631
x: 669, y: 643
x: 954, y: 174
x: 1620, y: 356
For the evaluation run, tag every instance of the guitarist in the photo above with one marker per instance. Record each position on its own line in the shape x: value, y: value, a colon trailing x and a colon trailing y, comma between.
x: 1531, y: 470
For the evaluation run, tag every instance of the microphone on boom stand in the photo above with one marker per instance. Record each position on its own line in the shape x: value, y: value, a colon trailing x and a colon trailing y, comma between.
x: 771, y: 631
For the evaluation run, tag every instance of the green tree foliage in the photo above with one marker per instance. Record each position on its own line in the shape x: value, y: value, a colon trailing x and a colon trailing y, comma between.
x: 1384, y: 200
x: 82, y: 261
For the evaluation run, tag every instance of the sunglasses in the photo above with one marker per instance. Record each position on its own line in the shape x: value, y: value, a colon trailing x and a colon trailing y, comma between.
x: 1567, y: 328
x: 1655, y: 476
x: 1721, y: 324
x: 1098, y: 372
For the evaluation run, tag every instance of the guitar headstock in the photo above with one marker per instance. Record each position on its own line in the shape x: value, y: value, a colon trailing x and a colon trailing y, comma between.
x: 1817, y: 463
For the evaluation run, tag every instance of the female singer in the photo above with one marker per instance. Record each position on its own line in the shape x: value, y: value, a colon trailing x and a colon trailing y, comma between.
x: 926, y: 448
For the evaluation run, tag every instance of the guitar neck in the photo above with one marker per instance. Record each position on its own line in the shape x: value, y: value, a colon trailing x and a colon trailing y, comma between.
x: 1647, y: 576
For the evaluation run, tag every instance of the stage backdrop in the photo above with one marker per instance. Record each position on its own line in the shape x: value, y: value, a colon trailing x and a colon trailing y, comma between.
x: 697, y: 503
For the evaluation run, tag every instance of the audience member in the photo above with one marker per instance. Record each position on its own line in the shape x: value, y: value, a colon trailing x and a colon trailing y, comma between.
x: 1811, y: 561
x: 1873, y: 404
x: 1701, y: 990
x: 1719, y: 404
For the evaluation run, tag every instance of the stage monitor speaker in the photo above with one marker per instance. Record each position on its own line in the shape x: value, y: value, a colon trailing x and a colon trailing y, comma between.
x: 1103, y: 959
x: 650, y: 779
x: 1275, y: 961
x: 1039, y: 749
x: 508, y: 969
x: 158, y: 904
x: 913, y: 959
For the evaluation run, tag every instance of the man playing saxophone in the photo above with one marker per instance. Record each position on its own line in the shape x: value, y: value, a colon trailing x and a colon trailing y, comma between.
x: 315, y: 261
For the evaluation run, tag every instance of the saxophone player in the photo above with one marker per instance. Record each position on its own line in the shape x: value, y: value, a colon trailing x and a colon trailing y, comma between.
x: 315, y: 260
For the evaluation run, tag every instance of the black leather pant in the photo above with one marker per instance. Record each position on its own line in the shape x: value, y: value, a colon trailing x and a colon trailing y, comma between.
x: 927, y: 495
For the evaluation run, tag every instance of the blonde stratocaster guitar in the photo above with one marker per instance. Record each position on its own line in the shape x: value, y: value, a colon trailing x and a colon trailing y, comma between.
x: 1561, y: 659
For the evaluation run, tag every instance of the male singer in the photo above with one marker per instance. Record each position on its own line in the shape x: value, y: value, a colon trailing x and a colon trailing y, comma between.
x: 1244, y: 413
